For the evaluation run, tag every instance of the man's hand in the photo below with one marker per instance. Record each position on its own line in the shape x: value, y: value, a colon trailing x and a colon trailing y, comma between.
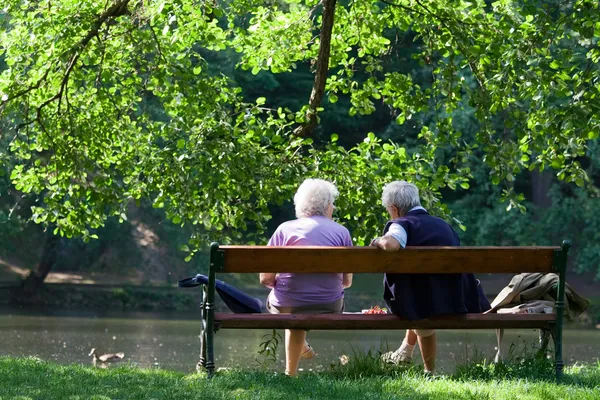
x: 387, y: 243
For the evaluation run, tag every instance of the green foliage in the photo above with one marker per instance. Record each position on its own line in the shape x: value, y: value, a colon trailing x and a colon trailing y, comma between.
x: 524, y: 360
x: 126, y: 298
x: 362, y: 171
x: 268, y: 349
x: 108, y: 103
x: 521, y: 361
x: 572, y: 215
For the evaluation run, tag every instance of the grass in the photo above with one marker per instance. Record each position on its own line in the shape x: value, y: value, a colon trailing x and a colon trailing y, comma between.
x: 363, y: 377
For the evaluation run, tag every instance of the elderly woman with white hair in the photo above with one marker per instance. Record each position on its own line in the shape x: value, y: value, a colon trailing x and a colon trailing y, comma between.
x: 420, y: 296
x: 307, y: 293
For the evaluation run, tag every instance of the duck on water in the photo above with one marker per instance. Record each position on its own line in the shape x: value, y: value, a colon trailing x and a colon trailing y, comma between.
x: 105, y: 358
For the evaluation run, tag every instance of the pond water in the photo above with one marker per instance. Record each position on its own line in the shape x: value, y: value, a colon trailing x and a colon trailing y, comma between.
x: 171, y: 341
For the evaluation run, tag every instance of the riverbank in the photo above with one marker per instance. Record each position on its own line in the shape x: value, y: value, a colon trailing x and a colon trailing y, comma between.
x: 29, y: 378
x: 128, y: 297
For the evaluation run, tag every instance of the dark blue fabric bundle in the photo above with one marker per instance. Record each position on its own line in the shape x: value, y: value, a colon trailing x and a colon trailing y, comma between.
x: 236, y: 300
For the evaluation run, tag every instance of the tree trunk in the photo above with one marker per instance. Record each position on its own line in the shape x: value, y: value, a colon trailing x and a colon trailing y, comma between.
x: 540, y: 186
x: 35, y: 279
x: 322, y: 67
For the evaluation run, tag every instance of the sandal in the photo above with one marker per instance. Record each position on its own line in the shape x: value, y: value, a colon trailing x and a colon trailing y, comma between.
x: 307, y: 352
x: 398, y: 357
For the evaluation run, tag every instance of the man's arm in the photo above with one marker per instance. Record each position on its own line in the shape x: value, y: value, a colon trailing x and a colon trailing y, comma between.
x: 393, y: 240
x: 387, y: 243
x: 267, y: 279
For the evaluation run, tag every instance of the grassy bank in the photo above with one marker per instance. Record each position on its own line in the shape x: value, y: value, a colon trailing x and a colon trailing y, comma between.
x: 34, y: 379
x: 365, y: 293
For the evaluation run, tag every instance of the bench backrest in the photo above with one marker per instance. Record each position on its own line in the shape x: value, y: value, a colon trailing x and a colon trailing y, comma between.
x: 246, y: 259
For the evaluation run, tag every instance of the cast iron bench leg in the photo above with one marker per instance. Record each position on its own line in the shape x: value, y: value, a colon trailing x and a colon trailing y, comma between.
x: 209, y: 335
x: 560, y: 266
x: 558, y: 350
x: 209, y: 309
x: 203, y: 315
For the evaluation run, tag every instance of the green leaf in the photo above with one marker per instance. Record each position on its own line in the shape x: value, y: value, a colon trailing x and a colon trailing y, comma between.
x: 593, y: 135
x: 180, y: 143
x: 334, y: 137
x: 554, y: 65
x: 261, y: 100
x: 333, y: 98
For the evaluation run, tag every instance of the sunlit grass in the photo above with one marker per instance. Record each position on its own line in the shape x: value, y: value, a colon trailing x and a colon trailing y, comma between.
x: 30, y: 378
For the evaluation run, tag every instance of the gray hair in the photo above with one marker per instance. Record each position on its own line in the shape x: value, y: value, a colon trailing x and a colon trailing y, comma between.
x: 401, y: 194
x: 313, y: 197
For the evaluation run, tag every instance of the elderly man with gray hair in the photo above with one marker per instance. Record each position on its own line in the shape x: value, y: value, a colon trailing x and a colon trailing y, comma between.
x: 420, y: 296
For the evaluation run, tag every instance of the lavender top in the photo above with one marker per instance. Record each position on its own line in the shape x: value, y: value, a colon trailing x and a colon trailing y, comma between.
x: 293, y: 289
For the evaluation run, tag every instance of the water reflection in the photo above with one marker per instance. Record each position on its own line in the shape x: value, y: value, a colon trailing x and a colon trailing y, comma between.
x: 172, y: 342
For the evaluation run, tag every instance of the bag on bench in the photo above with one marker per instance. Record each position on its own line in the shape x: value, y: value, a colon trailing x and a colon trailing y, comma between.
x: 236, y: 300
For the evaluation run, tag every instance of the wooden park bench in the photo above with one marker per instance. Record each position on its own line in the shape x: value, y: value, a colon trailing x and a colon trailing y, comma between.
x: 415, y: 260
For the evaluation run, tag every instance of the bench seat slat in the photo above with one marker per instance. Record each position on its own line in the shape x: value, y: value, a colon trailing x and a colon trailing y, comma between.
x: 381, y: 322
x: 368, y: 259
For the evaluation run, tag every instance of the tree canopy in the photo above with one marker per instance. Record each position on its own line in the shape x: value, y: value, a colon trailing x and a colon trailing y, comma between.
x: 104, y: 103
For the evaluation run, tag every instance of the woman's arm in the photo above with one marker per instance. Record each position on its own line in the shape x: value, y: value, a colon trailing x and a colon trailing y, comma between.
x: 347, y: 281
x: 267, y: 279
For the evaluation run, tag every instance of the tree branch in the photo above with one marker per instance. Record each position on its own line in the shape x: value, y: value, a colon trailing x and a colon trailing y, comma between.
x: 322, y: 67
x: 428, y: 11
x: 407, y: 8
x: 117, y: 9
x: 158, y: 46
x: 28, y: 89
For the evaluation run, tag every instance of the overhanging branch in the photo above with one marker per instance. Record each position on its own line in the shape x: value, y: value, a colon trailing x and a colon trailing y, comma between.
x: 117, y: 9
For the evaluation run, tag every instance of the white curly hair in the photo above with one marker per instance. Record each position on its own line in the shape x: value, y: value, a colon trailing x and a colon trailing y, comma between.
x: 313, y: 197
